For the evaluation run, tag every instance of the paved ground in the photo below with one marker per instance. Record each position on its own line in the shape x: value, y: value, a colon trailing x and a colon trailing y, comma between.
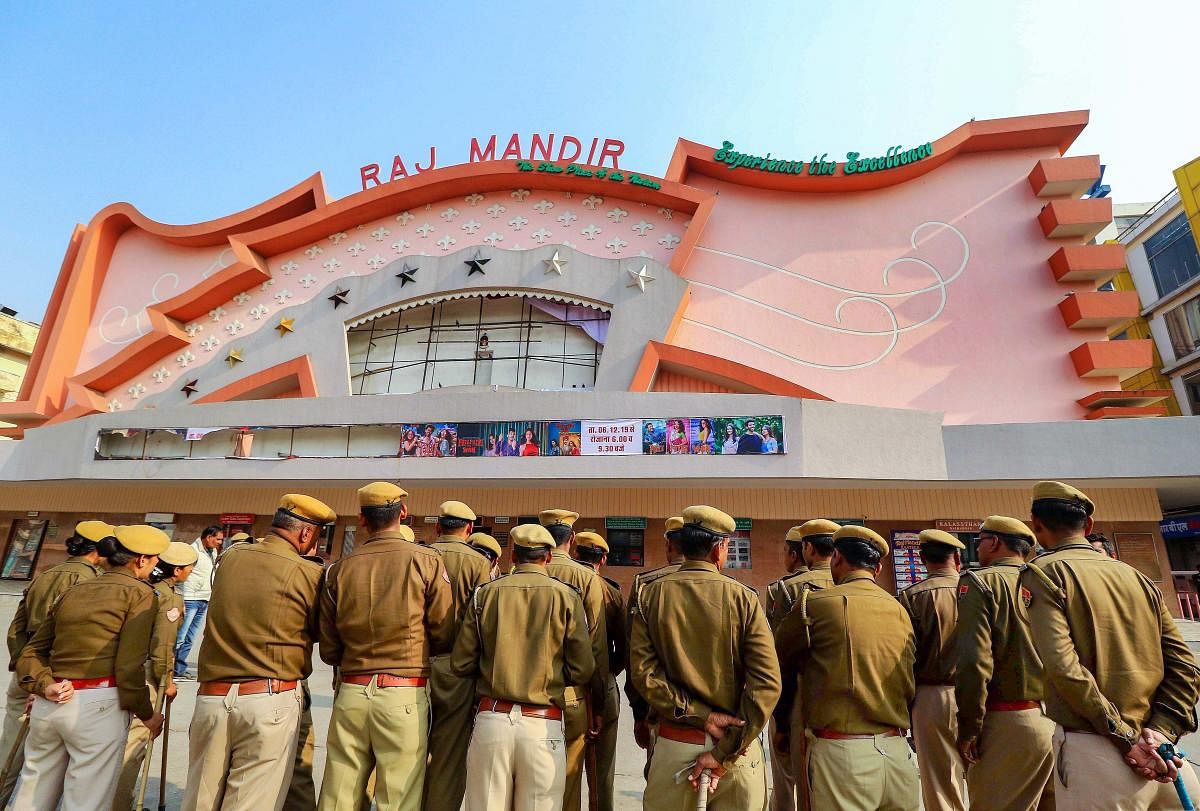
x: 630, y: 759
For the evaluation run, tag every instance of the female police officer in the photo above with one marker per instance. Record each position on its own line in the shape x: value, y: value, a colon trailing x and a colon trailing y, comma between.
x: 86, y: 667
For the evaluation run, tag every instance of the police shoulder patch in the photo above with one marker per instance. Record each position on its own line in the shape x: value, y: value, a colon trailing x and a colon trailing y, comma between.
x: 1026, y: 596
x: 173, y: 614
x: 963, y: 588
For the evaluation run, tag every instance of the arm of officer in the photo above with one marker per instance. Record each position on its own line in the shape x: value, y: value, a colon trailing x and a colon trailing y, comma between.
x: 133, y: 646
x: 439, y: 611
x: 464, y: 660
x: 1173, y: 708
x: 579, y: 663
x: 974, y: 666
x: 761, y: 689
x: 18, y: 632
x: 615, y: 628
x: 593, y: 597
x: 1052, y: 640
x: 162, y: 641
x: 639, y: 705
x: 650, y: 677
x: 33, y: 664
x: 327, y: 633
x: 791, y: 645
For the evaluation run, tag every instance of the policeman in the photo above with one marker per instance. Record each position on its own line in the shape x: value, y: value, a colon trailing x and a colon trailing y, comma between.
x: 1003, y: 735
x: 643, y: 719
x: 701, y: 653
x: 932, y: 605
x: 489, y: 547
x: 384, y: 609
x: 592, y: 550
x: 783, y: 793
x: 852, y: 647
x: 40, y: 596
x: 86, y: 666
x: 1120, y: 680
x: 793, y: 561
x: 815, y: 539
x: 522, y: 636
x: 262, y: 623
x: 451, y: 697
x: 585, y: 702
x: 174, y: 566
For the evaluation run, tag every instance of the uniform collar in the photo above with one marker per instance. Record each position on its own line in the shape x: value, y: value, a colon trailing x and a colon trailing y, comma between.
x: 1071, y: 543
x: 451, y: 539
x: 857, y: 574
x: 85, y: 562
x: 123, y: 572
x: 386, y: 535
x: 697, y: 566
x: 943, y: 574
x: 1008, y: 560
x: 277, y: 544
x: 529, y: 568
x: 559, y: 552
x: 820, y: 566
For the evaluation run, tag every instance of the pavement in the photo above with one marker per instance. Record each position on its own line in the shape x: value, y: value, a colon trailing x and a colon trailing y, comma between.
x: 630, y: 759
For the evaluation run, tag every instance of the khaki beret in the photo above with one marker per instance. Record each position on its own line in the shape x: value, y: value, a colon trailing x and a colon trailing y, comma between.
x: 531, y: 536
x: 674, y: 523
x: 710, y: 518
x: 590, y: 540
x: 817, y: 526
x: 237, y: 537
x: 179, y: 554
x: 1007, y: 526
x: 456, y: 509
x: 143, y: 540
x: 380, y: 494
x: 485, y: 541
x: 941, y: 537
x: 862, y: 534
x: 95, y: 531
x: 307, y: 509
x: 549, y: 518
x: 1057, y: 491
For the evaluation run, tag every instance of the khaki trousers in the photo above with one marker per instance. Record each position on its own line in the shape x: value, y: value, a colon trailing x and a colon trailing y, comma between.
x: 743, y: 788
x: 14, y: 707
x: 302, y: 792
x: 131, y: 766
x: 1091, y: 774
x: 783, y: 780
x: 515, y: 763
x: 606, y: 745
x: 1016, y: 763
x: 385, y: 729
x: 452, y: 701
x: 241, y: 751
x: 798, y: 742
x: 867, y: 774
x: 935, y: 733
x: 575, y: 726
x: 73, y: 752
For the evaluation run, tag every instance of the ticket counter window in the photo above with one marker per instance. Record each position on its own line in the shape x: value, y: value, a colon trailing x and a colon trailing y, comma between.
x: 24, y: 546
x: 626, y: 547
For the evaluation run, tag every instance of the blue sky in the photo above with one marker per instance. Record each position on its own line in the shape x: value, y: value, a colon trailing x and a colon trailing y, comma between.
x: 196, y: 113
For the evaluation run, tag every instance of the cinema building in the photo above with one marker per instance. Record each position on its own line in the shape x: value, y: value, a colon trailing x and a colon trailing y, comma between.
x: 907, y: 341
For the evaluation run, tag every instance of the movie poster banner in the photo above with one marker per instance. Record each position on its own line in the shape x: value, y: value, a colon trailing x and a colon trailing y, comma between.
x: 430, y: 440
x: 609, y: 437
x: 563, y: 438
x: 749, y: 435
x: 513, y: 438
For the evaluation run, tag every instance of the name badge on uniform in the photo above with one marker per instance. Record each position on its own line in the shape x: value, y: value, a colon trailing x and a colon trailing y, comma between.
x: 1026, y: 596
x: 173, y: 614
x: 963, y: 588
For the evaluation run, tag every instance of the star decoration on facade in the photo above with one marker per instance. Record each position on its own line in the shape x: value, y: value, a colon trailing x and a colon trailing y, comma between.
x: 189, y: 388
x: 285, y: 326
x: 476, y: 265
x: 160, y: 375
x: 406, y: 275
x: 234, y: 357
x: 340, y: 297
x: 555, y: 264
x: 638, y: 278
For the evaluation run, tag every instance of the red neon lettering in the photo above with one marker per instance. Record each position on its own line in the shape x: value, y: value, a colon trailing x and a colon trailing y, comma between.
x: 432, y: 161
x: 545, y: 147
x: 592, y: 151
x: 398, y: 169
x: 369, y: 172
x: 612, y: 149
x: 562, y: 148
x: 478, y: 154
x: 513, y: 150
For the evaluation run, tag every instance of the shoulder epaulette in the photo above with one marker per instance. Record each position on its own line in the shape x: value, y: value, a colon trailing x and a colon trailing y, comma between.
x: 1045, y: 579
x: 611, y: 582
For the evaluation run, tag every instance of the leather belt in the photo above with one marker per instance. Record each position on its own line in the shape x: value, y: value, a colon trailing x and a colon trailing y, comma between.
x: 529, y: 711
x: 92, y: 684
x: 246, y: 688
x: 833, y: 735
x: 1013, y: 706
x: 682, y: 734
x: 385, y: 680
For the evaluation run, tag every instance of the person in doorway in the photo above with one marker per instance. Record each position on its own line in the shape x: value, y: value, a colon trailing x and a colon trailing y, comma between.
x: 932, y: 605
x: 197, y: 591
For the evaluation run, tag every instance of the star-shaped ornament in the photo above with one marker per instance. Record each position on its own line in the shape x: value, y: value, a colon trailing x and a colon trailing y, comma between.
x: 189, y: 388
x: 234, y: 357
x: 339, y: 298
x: 476, y: 265
x: 406, y: 275
x: 638, y: 278
x: 285, y: 326
x: 555, y: 264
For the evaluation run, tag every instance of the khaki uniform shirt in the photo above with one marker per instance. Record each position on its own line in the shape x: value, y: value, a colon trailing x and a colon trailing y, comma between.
x: 262, y: 618
x: 385, y: 608
x: 779, y: 597
x: 855, y: 663
x: 467, y: 569
x: 591, y: 588
x: 700, y: 643
x: 1114, y: 660
x: 524, y: 639
x: 40, y: 597
x: 614, y: 626
x: 639, y: 705
x: 996, y: 660
x: 166, y: 631
x: 101, y: 627
x: 932, y: 605
x: 794, y: 586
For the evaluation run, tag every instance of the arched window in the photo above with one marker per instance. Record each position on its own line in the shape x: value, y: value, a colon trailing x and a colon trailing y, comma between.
x: 499, y: 339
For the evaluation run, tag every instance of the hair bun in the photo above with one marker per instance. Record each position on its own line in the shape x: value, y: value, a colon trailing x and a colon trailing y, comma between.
x: 108, y: 547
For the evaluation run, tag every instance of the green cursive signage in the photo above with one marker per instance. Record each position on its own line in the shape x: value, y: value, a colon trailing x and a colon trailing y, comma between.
x: 855, y: 164
x: 614, y: 175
